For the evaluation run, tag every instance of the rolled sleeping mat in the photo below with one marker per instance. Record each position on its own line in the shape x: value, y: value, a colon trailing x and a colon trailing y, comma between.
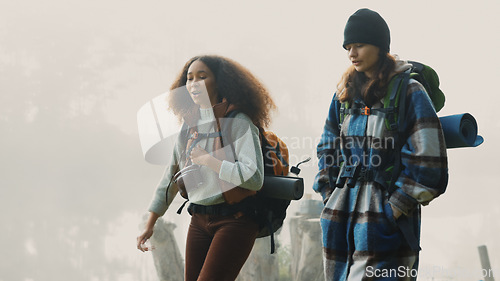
x: 460, y: 130
x: 282, y: 187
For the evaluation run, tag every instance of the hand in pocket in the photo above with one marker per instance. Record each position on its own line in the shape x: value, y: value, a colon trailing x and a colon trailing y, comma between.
x: 396, y: 213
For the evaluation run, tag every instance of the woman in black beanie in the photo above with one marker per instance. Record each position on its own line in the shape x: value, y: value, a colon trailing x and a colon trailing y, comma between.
x: 374, y: 176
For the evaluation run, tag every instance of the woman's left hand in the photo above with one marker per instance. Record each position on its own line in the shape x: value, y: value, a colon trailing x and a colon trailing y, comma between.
x: 200, y: 156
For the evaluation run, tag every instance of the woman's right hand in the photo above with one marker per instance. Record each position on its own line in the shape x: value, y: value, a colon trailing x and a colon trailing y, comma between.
x: 148, y: 232
x: 141, y: 239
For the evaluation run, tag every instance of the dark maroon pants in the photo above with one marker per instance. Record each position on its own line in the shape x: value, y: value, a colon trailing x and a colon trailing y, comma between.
x: 218, y: 246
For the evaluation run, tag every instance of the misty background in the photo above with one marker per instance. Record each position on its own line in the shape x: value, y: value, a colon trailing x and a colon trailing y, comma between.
x: 73, y: 181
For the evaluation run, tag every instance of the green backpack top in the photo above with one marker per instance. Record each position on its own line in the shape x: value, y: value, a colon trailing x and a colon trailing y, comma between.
x: 430, y: 80
x: 424, y: 74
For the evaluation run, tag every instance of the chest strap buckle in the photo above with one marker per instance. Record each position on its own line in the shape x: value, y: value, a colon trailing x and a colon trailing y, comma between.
x: 365, y: 110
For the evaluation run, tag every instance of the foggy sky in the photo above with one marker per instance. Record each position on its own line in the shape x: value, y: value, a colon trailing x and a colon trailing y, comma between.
x: 73, y: 180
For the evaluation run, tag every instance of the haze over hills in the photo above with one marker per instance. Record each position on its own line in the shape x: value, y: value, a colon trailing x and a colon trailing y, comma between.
x: 73, y: 180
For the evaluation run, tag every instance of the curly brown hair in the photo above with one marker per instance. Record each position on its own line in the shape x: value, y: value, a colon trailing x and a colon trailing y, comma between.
x: 355, y: 83
x: 233, y: 82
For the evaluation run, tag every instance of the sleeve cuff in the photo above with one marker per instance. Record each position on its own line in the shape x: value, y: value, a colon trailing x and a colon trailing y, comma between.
x: 226, y: 169
x: 404, y: 202
x: 157, y: 209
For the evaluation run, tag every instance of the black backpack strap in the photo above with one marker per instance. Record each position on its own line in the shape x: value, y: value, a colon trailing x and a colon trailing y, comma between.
x: 417, y: 66
x: 382, y: 112
x: 358, y: 111
x: 270, y: 227
x: 184, y: 136
x: 183, y: 139
x: 401, y: 90
x: 226, y: 133
x: 197, y: 137
x: 343, y: 113
x: 179, y: 211
x: 403, y: 223
x: 402, y: 99
x: 393, y: 103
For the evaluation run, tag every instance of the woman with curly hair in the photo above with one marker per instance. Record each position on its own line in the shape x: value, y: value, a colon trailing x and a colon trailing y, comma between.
x: 227, y: 160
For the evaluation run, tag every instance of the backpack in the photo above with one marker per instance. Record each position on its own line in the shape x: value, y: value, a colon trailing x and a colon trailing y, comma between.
x: 394, y: 108
x: 270, y: 212
x: 430, y: 80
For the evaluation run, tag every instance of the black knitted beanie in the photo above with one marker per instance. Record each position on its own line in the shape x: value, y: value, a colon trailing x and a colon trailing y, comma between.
x: 367, y: 26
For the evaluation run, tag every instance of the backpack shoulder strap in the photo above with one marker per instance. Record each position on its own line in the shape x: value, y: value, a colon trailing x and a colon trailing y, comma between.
x: 393, y: 100
x: 398, y: 98
x: 232, y: 113
x: 344, y: 108
x: 402, y: 98
x: 184, y: 134
x: 226, y: 134
x: 226, y: 130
